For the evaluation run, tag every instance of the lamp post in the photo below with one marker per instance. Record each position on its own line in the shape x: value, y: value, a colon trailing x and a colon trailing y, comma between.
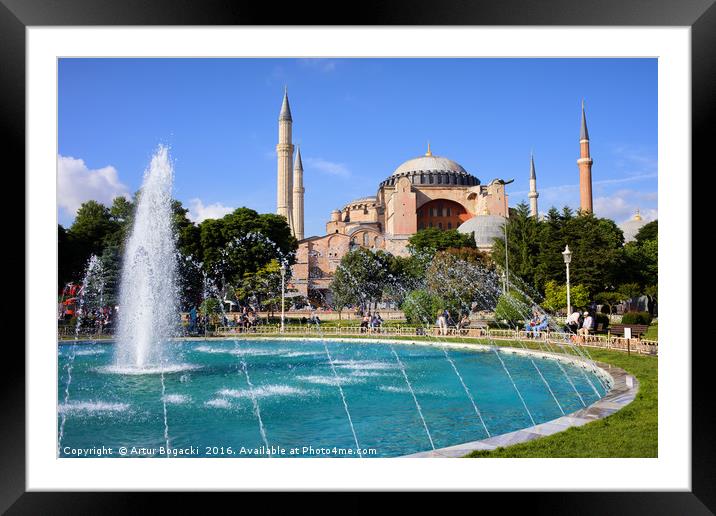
x: 567, y: 254
x: 283, y: 296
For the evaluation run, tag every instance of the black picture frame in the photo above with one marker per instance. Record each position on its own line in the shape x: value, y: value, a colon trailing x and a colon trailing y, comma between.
x: 700, y: 15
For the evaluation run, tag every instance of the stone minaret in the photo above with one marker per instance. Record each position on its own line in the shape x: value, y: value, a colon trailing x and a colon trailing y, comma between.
x: 284, y: 152
x: 533, y: 189
x: 298, y: 191
x: 585, y: 168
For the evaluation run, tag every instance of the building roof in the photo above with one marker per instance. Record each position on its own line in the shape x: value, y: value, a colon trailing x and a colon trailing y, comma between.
x: 486, y: 229
x: 632, y: 226
x: 298, y: 164
x: 583, y: 133
x: 285, y: 108
x: 432, y: 170
x: 429, y: 163
x: 533, y: 175
x: 361, y: 200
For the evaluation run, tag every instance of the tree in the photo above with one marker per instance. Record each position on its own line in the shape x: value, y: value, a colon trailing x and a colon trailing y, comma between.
x: 461, y: 277
x: 649, y: 231
x: 405, y: 274
x: 431, y: 240
x: 597, y: 254
x: 242, y: 242
x: 421, y: 307
x: 609, y: 299
x: 523, y: 244
x: 361, y: 277
x: 630, y: 290
x: 513, y: 307
x: 262, y: 286
x: 555, y: 296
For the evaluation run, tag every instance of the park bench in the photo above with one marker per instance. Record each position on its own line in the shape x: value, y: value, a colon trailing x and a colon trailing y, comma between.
x: 637, y: 330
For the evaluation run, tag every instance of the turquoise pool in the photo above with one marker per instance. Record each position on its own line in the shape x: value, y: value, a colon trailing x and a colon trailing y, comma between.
x: 204, y: 405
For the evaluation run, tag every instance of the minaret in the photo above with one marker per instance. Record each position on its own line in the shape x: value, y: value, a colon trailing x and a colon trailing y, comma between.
x: 533, y: 188
x: 585, y: 167
x: 284, y: 152
x: 298, y: 191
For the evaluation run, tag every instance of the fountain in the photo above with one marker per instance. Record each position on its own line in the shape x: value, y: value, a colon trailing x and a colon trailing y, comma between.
x: 147, y: 303
x: 403, y: 397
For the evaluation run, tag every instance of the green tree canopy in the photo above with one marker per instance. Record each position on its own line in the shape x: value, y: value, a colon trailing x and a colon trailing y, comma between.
x: 361, y: 277
x: 555, y: 296
x: 431, y: 240
x: 242, y: 242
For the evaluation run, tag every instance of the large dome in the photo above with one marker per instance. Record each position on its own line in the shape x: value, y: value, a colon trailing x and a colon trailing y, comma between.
x: 432, y: 170
x: 429, y: 164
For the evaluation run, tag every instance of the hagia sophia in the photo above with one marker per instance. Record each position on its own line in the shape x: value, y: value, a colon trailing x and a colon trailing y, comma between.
x: 427, y: 191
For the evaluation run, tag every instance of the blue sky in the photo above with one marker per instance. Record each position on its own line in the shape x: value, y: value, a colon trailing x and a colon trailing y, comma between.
x: 356, y: 121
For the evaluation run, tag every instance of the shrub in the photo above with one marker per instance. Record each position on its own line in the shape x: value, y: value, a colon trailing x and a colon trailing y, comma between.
x: 513, y: 307
x: 636, y: 318
x: 420, y: 307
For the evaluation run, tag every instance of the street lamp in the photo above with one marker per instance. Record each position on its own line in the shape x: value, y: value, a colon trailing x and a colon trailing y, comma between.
x: 567, y: 254
x: 283, y: 296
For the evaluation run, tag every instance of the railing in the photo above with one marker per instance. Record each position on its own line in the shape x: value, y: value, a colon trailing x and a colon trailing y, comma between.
x: 634, y: 345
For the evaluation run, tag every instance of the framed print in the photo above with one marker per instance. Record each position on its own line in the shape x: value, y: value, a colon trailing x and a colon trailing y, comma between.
x: 331, y: 257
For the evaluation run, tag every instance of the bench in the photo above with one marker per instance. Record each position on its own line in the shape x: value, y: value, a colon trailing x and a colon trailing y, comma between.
x: 637, y: 330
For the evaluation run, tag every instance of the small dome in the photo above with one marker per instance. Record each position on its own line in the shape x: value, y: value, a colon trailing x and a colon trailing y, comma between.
x: 631, y: 227
x: 486, y: 228
x: 429, y: 163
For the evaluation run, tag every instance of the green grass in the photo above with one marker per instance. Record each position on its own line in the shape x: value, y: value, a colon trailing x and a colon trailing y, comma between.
x: 652, y: 332
x: 630, y: 432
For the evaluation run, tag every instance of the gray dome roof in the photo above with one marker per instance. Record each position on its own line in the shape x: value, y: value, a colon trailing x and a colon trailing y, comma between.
x: 432, y: 170
x: 429, y: 163
x: 485, y: 227
x: 632, y: 226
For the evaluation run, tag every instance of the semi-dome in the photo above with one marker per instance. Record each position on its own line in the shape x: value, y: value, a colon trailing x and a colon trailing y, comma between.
x: 485, y: 227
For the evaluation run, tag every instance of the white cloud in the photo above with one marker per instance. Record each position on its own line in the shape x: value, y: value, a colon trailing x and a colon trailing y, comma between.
x: 76, y: 184
x: 199, y: 213
x: 622, y: 205
x: 328, y: 167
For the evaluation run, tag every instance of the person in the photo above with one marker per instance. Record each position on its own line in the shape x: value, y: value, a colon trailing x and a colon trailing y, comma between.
x: 448, y: 318
x: 586, y: 325
x: 464, y: 323
x: 442, y: 322
x: 573, y: 322
x: 375, y: 322
x: 541, y: 324
x: 531, y: 323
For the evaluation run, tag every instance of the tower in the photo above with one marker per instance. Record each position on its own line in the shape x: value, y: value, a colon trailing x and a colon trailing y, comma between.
x: 298, y: 191
x: 533, y: 188
x: 284, y: 153
x: 585, y: 167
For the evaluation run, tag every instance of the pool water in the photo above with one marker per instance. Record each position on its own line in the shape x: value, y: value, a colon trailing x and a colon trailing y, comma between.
x: 213, y: 411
